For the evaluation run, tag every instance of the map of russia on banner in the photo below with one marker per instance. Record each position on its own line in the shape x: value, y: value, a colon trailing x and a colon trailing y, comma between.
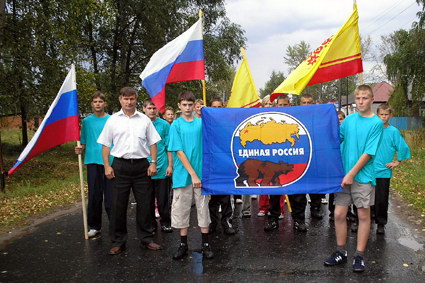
x: 276, y: 150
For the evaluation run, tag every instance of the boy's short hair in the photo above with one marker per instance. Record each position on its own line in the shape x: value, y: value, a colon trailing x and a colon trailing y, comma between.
x: 307, y: 96
x: 364, y: 88
x: 199, y: 101
x: 283, y: 96
x: 384, y: 106
x: 98, y: 94
x: 216, y: 99
x: 341, y: 113
x: 187, y: 95
x: 266, y: 99
x: 168, y: 108
x: 148, y: 102
x: 128, y: 91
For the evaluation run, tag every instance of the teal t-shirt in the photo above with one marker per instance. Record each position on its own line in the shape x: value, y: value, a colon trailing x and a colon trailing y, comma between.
x: 186, y: 136
x: 163, y: 128
x: 360, y: 135
x: 391, y: 142
x: 90, y: 132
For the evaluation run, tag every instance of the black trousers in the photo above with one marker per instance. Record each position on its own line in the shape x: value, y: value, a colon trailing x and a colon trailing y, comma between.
x: 382, y: 193
x: 274, y: 208
x: 298, y: 205
x: 226, y: 210
x: 161, y: 188
x: 100, y: 190
x: 316, y: 201
x: 131, y: 175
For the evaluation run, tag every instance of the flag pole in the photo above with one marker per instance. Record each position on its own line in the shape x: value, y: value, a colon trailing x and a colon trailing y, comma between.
x: 361, y: 81
x: 204, y: 88
x: 83, y: 199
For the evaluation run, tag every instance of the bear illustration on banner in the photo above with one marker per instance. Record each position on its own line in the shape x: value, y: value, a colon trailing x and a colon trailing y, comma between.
x: 270, y: 149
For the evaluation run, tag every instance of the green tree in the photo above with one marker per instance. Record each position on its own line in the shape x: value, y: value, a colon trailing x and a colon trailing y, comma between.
x: 276, y: 78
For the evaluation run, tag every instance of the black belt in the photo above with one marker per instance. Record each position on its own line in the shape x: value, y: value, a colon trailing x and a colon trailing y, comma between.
x: 131, y: 160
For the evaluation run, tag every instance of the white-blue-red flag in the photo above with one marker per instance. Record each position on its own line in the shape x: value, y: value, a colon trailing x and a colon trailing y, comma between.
x: 60, y: 125
x: 180, y: 60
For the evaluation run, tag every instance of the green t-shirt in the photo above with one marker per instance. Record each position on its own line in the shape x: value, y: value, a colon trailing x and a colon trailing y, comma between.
x: 90, y: 132
x: 360, y: 135
x: 163, y: 128
x: 186, y: 136
x: 391, y: 142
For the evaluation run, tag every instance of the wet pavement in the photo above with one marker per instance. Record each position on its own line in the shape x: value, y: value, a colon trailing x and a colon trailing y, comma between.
x: 57, y: 252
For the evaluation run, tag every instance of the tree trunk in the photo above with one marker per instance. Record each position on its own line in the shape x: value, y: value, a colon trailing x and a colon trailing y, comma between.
x: 24, y: 123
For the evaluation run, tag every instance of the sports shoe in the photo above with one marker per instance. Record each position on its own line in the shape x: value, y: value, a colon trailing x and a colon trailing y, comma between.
x: 93, y: 233
x: 358, y: 264
x: 281, y: 216
x: 300, y: 226
x: 261, y: 213
x: 253, y: 196
x: 166, y: 229
x: 181, y: 251
x: 354, y: 227
x: 246, y: 214
x: 157, y: 213
x: 324, y: 201
x: 238, y: 201
x: 336, y: 258
x: 270, y: 226
x: 206, y: 251
x: 316, y: 214
x: 381, y: 229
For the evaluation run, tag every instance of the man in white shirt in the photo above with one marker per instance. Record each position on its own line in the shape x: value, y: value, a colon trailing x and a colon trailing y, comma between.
x: 134, y: 138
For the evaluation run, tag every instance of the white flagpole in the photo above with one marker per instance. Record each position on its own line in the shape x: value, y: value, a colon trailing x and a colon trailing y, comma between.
x: 80, y: 167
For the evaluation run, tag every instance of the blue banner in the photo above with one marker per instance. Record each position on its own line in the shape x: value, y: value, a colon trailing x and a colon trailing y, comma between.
x: 271, y: 151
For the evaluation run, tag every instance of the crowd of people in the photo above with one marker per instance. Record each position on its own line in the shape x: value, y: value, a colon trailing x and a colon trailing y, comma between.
x: 159, y: 159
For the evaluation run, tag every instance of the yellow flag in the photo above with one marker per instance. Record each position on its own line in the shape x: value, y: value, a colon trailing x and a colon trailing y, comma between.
x: 337, y: 57
x: 244, y: 93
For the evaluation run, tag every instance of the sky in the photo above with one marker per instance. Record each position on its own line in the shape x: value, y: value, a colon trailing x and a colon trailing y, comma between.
x: 272, y: 25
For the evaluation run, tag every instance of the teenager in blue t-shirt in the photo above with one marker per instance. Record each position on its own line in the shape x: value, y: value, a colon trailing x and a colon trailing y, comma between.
x: 360, y: 136
x: 164, y: 167
x: 391, y: 143
x: 99, y: 187
x: 186, y: 145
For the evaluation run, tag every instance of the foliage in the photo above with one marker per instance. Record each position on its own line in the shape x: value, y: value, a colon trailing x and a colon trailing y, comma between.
x: 276, y: 78
x: 109, y: 41
x: 409, y: 178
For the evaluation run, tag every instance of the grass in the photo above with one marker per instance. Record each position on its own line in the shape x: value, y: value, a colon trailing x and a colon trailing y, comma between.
x: 409, y: 178
x: 48, y: 182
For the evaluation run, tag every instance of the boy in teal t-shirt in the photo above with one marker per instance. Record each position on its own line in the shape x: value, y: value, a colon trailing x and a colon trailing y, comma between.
x: 164, y: 167
x: 391, y: 143
x: 186, y: 145
x: 360, y: 136
x: 99, y: 187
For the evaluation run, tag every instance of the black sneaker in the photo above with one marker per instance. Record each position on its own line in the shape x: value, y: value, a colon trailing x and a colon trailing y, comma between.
x: 381, y: 229
x: 207, y: 252
x: 316, y: 214
x: 300, y: 226
x: 166, y: 229
x: 181, y: 251
x: 270, y: 226
x: 229, y: 230
x: 358, y: 264
x: 354, y: 227
x: 336, y: 258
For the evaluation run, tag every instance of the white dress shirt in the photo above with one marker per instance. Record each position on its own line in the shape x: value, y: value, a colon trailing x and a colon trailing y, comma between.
x: 131, y: 137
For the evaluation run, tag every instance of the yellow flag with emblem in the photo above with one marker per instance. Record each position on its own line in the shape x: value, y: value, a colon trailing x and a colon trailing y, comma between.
x: 337, y: 57
x: 244, y: 93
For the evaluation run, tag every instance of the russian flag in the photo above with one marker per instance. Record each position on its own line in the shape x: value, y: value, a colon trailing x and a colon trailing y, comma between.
x: 180, y: 60
x: 60, y: 125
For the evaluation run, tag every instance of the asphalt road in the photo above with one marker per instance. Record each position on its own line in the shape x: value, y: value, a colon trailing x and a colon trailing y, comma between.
x: 55, y: 251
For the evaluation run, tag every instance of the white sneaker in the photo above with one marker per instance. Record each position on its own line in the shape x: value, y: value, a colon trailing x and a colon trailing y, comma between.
x: 261, y: 214
x: 157, y: 213
x: 281, y: 217
x: 324, y: 201
x: 253, y: 196
x: 93, y: 233
x: 239, y: 201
